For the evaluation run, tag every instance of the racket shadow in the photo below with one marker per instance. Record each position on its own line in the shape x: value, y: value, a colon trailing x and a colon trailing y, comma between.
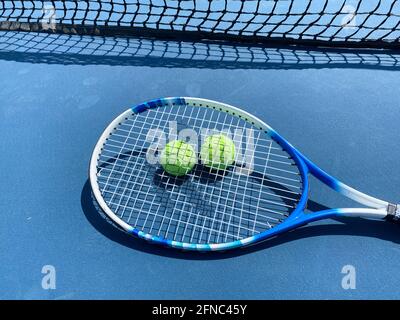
x: 345, y: 227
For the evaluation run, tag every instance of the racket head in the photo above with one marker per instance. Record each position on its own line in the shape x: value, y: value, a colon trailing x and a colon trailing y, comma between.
x: 135, y: 192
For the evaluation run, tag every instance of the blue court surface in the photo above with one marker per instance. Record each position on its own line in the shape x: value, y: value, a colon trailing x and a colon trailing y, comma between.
x: 58, y: 93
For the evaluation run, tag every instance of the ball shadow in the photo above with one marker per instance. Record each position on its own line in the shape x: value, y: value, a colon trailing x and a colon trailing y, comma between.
x: 166, y: 181
x: 201, y: 173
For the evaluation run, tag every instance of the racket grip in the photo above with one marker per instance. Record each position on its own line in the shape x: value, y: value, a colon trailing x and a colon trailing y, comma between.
x: 393, y: 213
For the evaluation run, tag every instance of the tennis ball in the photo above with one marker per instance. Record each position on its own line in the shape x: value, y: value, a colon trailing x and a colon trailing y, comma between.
x: 217, y: 152
x: 178, y: 158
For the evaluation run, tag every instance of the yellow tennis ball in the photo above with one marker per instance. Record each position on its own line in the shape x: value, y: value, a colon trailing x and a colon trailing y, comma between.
x: 218, y: 152
x: 178, y: 158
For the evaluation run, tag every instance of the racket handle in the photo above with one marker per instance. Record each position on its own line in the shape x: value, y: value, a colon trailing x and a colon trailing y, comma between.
x: 393, y: 213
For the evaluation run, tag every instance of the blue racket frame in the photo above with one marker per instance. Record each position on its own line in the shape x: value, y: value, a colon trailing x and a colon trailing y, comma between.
x: 378, y: 209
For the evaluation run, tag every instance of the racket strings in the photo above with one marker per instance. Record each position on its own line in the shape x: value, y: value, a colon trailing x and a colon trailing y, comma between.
x: 124, y: 185
x: 204, y: 206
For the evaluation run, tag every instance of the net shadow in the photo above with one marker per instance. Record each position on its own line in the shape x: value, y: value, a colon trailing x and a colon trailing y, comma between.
x: 33, y: 47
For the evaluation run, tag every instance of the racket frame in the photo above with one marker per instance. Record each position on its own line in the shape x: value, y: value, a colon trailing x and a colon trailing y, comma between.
x: 378, y: 209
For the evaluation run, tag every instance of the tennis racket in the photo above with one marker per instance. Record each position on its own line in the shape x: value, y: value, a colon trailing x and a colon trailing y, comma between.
x: 262, y: 194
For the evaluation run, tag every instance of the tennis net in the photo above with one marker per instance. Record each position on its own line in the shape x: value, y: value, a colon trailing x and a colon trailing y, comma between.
x: 349, y: 23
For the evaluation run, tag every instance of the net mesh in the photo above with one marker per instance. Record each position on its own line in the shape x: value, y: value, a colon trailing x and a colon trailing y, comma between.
x: 365, y: 23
